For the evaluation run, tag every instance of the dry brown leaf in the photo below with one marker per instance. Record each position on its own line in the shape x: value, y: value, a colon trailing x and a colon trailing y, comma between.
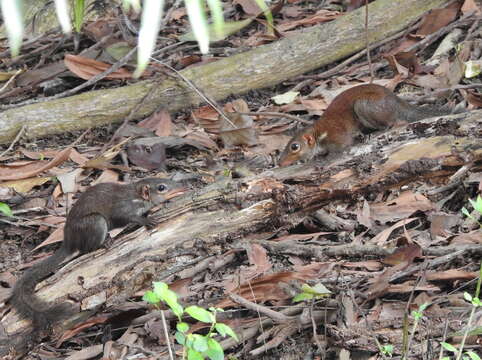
x: 160, y: 122
x: 406, y: 253
x: 370, y: 265
x: 244, y: 134
x: 33, y: 168
x: 25, y: 185
x: 381, y: 283
x: 319, y: 17
x: 202, y: 138
x: 401, y: 207
x: 474, y: 237
x: 56, y: 236
x: 409, y: 286
x: 438, y: 18
x: 440, y: 224
x: 470, y: 6
x: 474, y: 98
x: 451, y: 274
x: 382, y: 237
x: 86, y: 68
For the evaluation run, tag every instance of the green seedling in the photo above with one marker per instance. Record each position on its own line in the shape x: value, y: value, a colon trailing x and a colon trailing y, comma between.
x: 195, y: 346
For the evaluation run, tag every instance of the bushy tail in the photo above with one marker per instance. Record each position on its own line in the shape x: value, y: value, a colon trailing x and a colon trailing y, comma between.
x: 30, y: 306
x: 413, y: 113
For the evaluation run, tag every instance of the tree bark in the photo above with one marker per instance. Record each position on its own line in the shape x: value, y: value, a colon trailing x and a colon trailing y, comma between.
x: 224, y: 213
x: 261, y: 67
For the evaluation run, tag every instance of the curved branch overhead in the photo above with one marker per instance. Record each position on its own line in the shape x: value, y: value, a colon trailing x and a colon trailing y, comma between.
x: 308, y: 50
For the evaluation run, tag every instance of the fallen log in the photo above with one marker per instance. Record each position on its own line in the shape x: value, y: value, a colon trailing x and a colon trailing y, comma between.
x: 318, y: 46
x: 224, y: 213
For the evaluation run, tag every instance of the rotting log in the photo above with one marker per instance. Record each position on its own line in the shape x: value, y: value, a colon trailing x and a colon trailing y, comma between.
x: 308, y: 50
x: 219, y: 216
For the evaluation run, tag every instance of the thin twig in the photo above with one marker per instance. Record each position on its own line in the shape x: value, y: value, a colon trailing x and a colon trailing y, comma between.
x: 277, y: 114
x: 19, y: 135
x: 166, y: 334
x: 131, y: 115
x: 368, y: 43
x: 199, y: 92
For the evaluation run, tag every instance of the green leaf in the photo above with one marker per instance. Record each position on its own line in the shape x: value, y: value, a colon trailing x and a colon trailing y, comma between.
x: 445, y: 358
x: 182, y: 327
x: 159, y: 288
x: 229, y: 28
x: 467, y: 213
x: 79, y: 9
x: 302, y: 297
x: 423, y: 306
x: 180, y: 338
x: 169, y: 297
x: 467, y: 297
x: 267, y: 13
x: 318, y: 289
x: 5, y: 209
x: 151, y: 297
x: 473, y: 356
x: 224, y: 330
x: 477, y: 204
x: 194, y: 355
x: 215, y: 351
x: 199, y: 343
x: 200, y: 314
x: 449, y: 347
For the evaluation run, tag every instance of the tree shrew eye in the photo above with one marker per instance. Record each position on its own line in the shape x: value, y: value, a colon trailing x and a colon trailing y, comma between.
x: 295, y: 147
x: 161, y: 187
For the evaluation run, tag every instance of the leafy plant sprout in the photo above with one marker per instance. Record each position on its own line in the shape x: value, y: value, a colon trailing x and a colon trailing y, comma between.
x: 195, y: 346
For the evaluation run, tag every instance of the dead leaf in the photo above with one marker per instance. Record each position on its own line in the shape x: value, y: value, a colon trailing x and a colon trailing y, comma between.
x: 381, y: 283
x: 451, y: 274
x: 470, y: 6
x: 406, y: 254
x: 474, y: 98
x: 473, y: 237
x: 401, y: 207
x: 159, y: 122
x: 382, y: 237
x: 370, y: 265
x: 250, y: 7
x: 320, y: 16
x: 56, y: 236
x: 438, y: 18
x: 25, y: 185
x: 244, y: 134
x: 32, y: 168
x: 440, y: 224
x: 86, y: 68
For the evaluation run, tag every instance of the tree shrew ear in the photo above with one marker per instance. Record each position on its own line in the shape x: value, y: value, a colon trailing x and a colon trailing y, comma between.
x: 145, y: 194
x: 309, y: 139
